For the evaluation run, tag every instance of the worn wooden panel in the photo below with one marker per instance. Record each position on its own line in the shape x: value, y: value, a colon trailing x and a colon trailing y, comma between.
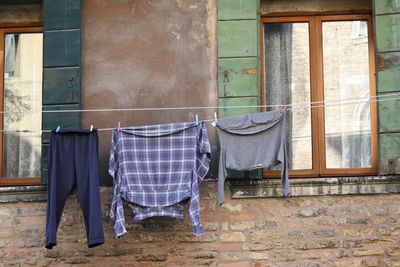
x: 388, y: 75
x: 240, y: 101
x: 238, y: 77
x: 62, y: 48
x: 237, y: 38
x: 45, y: 156
x: 62, y: 14
x: 389, y: 148
x: 387, y: 30
x: 386, y: 6
x: 237, y: 9
x: 67, y: 120
x: 389, y: 116
x: 61, y: 86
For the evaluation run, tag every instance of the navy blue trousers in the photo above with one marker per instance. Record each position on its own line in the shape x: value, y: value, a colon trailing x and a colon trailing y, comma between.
x: 73, y: 161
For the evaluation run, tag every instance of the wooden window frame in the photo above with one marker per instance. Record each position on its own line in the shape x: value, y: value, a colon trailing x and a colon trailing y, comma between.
x: 317, y: 94
x: 4, y: 29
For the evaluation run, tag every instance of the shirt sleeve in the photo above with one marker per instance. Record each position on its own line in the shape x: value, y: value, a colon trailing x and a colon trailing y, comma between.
x: 203, y: 153
x: 221, y: 176
x: 282, y: 157
x: 202, y: 167
x: 117, y: 209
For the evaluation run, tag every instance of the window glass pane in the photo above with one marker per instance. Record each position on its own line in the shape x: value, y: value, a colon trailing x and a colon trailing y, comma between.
x: 346, y: 76
x: 22, y: 91
x: 287, y: 80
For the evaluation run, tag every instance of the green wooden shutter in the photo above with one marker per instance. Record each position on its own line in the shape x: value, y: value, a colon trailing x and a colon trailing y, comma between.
x: 61, y: 68
x: 387, y: 36
x: 238, y: 61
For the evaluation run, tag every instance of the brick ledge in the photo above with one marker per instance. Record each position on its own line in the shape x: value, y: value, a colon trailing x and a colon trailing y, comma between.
x: 265, y: 188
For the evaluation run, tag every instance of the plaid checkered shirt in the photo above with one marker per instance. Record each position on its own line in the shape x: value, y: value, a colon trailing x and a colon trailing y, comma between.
x: 157, y: 168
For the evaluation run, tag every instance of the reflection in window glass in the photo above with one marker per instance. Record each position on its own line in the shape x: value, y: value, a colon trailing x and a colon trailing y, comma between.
x: 346, y: 76
x: 287, y: 80
x: 22, y: 91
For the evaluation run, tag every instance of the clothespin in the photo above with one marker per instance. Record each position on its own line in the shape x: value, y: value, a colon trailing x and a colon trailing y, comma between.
x: 119, y: 126
x: 58, y: 128
x: 281, y: 109
x: 91, y: 127
x: 197, y: 119
x: 214, y: 123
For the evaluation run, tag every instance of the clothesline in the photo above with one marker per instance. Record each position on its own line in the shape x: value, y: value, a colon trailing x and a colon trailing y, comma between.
x: 202, y: 107
x: 343, y: 102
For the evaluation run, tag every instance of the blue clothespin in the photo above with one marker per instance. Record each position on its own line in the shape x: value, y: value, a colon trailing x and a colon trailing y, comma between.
x: 197, y: 119
x: 58, y: 128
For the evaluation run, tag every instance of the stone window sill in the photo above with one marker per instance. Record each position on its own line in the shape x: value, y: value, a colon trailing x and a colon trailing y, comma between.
x: 265, y: 188
x: 23, y: 193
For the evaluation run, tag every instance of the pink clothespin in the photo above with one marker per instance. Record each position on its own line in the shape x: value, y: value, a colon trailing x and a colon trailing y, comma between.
x: 281, y: 109
x: 214, y: 123
x: 119, y: 126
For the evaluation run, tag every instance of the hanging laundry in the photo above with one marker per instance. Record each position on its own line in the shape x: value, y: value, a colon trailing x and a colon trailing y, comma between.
x: 73, y: 160
x: 250, y: 142
x: 157, y: 169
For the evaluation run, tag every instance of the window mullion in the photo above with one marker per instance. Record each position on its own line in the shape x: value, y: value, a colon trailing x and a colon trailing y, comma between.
x: 315, y: 95
x: 319, y: 96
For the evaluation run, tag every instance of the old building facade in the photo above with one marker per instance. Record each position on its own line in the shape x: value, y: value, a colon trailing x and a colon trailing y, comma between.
x: 96, y: 54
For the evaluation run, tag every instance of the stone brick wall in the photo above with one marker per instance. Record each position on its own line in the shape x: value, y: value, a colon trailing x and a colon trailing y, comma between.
x: 298, y: 231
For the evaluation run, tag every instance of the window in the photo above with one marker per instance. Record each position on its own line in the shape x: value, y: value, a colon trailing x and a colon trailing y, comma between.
x: 21, y: 89
x: 323, y: 59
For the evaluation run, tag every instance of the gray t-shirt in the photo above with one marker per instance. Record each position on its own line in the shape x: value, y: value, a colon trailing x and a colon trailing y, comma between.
x: 250, y: 142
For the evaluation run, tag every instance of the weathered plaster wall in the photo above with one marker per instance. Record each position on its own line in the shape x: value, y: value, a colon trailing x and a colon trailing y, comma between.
x: 20, y: 14
x: 270, y: 6
x: 139, y: 54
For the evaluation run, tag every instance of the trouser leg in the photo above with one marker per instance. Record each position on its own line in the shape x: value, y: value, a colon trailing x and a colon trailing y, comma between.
x: 61, y: 179
x: 87, y: 173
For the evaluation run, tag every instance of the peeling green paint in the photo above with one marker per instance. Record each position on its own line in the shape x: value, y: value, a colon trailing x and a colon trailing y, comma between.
x: 389, y: 148
x: 237, y: 38
x: 237, y: 9
x: 387, y: 6
x: 388, y: 75
x: 389, y: 119
x: 242, y: 101
x: 387, y: 31
x: 237, y: 77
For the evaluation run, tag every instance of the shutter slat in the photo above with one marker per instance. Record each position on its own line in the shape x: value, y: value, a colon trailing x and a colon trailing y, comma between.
x: 237, y: 38
x: 62, y: 14
x: 62, y: 49
x: 61, y: 86
x: 237, y: 77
